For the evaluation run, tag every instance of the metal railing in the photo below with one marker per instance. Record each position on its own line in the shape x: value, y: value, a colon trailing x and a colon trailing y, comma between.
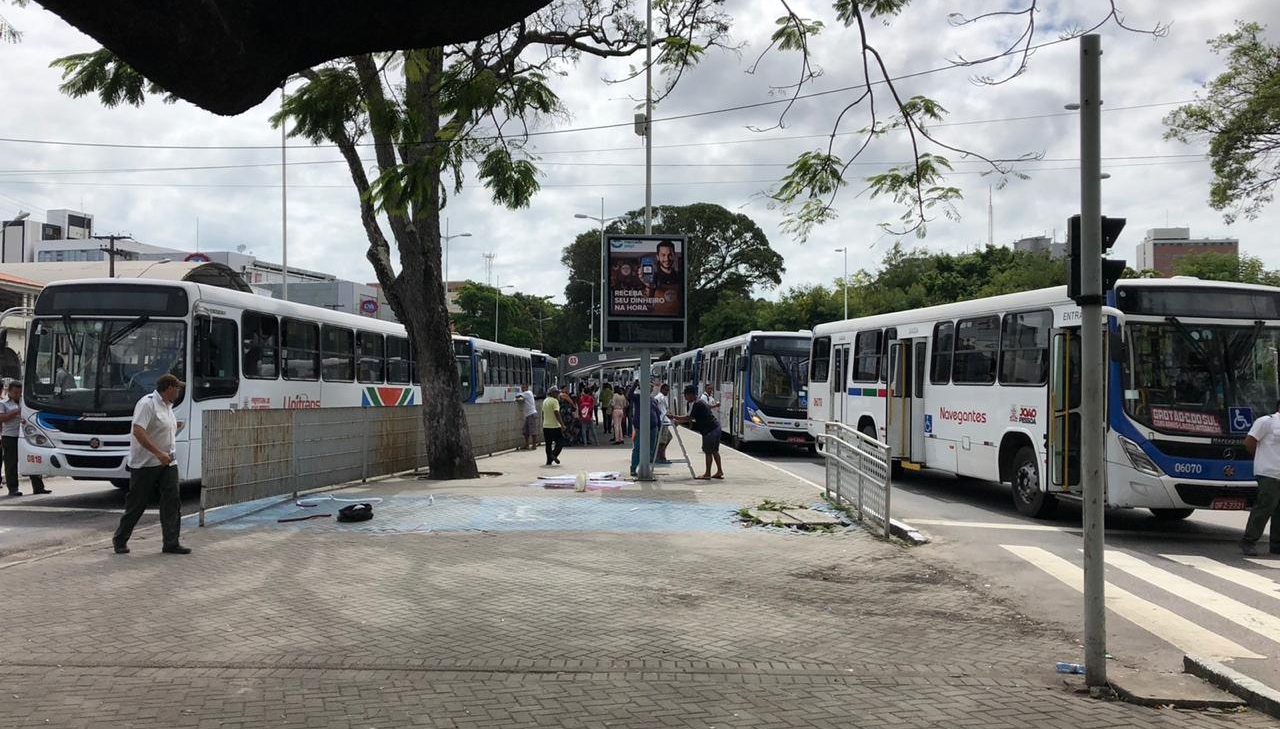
x: 858, y: 474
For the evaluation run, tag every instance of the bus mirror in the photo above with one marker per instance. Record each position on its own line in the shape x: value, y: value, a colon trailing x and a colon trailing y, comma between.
x: 1115, y: 344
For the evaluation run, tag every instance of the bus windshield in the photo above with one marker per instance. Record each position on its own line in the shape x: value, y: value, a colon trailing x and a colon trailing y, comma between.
x: 1193, y: 379
x: 100, y: 366
x: 779, y: 372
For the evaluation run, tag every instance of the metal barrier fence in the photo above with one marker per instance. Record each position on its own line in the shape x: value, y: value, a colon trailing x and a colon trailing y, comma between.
x: 858, y: 473
x: 254, y: 454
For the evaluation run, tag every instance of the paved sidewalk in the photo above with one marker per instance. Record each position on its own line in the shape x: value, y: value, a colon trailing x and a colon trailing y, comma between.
x: 494, y: 603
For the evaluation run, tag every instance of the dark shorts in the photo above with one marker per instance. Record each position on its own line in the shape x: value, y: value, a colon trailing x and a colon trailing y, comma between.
x: 530, y: 426
x: 711, y: 441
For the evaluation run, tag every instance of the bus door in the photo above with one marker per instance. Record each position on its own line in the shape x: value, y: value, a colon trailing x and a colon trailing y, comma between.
x: 904, y: 422
x: 1064, y: 412
x: 839, y: 381
x: 739, y: 364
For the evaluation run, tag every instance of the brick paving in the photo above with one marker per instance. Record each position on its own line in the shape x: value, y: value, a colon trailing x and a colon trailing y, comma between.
x: 278, y: 625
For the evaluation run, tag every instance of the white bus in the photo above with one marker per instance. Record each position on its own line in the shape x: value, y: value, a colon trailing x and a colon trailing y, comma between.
x: 990, y: 389
x: 761, y: 381
x: 95, y: 346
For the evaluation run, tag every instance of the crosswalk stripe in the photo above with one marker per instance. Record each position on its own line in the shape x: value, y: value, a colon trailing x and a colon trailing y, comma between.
x: 1237, y: 612
x: 1244, y: 578
x: 1273, y: 563
x: 1160, y: 622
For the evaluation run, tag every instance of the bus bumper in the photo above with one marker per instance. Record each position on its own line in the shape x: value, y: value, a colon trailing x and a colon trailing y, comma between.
x: 1128, y: 488
x: 102, y: 464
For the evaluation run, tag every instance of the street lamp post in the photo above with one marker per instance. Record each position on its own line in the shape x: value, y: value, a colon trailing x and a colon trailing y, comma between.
x: 446, y: 238
x: 603, y: 221
x: 497, y: 296
x: 844, y: 282
x: 591, y: 310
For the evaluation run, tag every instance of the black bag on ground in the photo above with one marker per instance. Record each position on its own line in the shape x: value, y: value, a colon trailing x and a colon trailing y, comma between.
x: 356, y: 512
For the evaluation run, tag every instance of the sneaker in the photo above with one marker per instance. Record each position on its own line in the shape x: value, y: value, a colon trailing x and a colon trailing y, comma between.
x: 120, y: 547
x: 176, y: 549
x: 1248, y: 549
x: 663, y: 462
x: 42, y: 491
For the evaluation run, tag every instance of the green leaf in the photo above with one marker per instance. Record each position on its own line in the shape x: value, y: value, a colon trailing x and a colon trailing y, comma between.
x: 101, y: 72
x: 512, y: 182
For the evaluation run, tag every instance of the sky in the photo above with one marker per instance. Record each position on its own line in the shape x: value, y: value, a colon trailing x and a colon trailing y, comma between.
x: 716, y: 156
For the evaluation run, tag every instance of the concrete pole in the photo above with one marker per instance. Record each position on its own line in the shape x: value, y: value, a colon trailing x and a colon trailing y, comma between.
x: 284, y: 207
x: 642, y: 417
x: 604, y: 272
x: 1093, y: 364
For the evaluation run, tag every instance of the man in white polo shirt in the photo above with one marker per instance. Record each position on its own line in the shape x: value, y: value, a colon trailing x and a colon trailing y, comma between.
x: 152, y: 468
x: 1263, y: 442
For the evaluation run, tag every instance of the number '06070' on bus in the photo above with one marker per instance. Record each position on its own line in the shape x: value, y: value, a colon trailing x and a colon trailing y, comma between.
x: 990, y: 389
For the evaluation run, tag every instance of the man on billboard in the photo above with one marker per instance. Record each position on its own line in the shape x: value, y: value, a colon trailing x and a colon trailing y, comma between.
x: 646, y: 279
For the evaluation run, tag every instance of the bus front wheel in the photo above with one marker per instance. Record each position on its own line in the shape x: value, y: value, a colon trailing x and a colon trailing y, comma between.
x: 1028, y: 497
x: 120, y: 483
x: 1171, y: 514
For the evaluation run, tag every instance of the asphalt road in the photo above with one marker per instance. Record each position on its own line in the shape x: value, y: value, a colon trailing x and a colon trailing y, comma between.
x: 1172, y: 587
x: 75, y: 511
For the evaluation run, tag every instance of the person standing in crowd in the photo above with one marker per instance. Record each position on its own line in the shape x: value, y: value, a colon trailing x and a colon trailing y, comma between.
x: 10, y: 431
x: 153, y: 467
x: 618, y: 404
x: 568, y: 419
x: 704, y: 422
x: 587, y: 416
x: 655, y: 420
x: 709, y: 397
x: 552, y: 425
x: 606, y: 407
x: 529, y: 409
x: 1263, y: 443
x: 664, y: 431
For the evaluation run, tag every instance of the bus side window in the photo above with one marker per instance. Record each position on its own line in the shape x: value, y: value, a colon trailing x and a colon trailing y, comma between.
x: 398, y: 361
x: 261, y: 337
x: 943, y: 342
x: 216, y: 373
x: 371, y: 349
x: 338, y: 354
x: 301, y: 350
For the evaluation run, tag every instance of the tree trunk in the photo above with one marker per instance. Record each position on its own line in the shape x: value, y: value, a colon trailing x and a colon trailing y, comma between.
x: 424, y: 314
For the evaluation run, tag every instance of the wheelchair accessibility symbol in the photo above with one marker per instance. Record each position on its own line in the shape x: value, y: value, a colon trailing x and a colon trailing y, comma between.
x: 928, y: 423
x: 1240, y: 418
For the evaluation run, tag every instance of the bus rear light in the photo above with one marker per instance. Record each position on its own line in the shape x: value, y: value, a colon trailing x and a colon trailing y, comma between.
x: 1139, y: 459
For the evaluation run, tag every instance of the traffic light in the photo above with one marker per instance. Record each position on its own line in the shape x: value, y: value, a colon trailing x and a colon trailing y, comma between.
x: 1111, y: 269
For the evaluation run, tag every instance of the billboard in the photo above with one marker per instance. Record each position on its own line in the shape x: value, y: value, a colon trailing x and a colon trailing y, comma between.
x: 646, y: 290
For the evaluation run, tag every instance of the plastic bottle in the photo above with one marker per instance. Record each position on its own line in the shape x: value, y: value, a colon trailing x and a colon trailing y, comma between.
x: 1064, y: 667
x: 580, y: 484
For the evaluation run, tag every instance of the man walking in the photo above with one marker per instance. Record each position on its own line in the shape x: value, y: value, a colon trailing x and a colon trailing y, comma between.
x: 709, y: 397
x: 1263, y: 442
x: 552, y: 425
x: 705, y: 423
x: 606, y: 406
x: 529, y: 408
x: 152, y: 466
x: 10, y: 431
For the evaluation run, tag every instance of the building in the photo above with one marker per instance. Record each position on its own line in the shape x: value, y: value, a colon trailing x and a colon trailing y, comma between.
x: 1041, y: 244
x: 1160, y: 250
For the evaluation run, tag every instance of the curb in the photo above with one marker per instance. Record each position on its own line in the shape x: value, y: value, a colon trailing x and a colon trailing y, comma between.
x: 899, y: 529
x: 1259, y: 695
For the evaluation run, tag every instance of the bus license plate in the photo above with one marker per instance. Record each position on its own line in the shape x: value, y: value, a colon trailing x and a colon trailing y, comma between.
x: 796, y: 439
x: 1230, y: 503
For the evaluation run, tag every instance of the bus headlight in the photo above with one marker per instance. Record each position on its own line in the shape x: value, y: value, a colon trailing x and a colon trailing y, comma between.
x: 755, y: 418
x: 1139, y: 459
x: 35, y: 436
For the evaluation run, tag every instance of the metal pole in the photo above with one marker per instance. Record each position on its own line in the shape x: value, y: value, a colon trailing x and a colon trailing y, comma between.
x: 1092, y: 457
x: 111, y: 243
x: 284, y: 207
x: 591, y: 319
x: 845, y: 283
x: 604, y: 271
x: 642, y: 418
x: 648, y: 122
x: 497, y: 294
